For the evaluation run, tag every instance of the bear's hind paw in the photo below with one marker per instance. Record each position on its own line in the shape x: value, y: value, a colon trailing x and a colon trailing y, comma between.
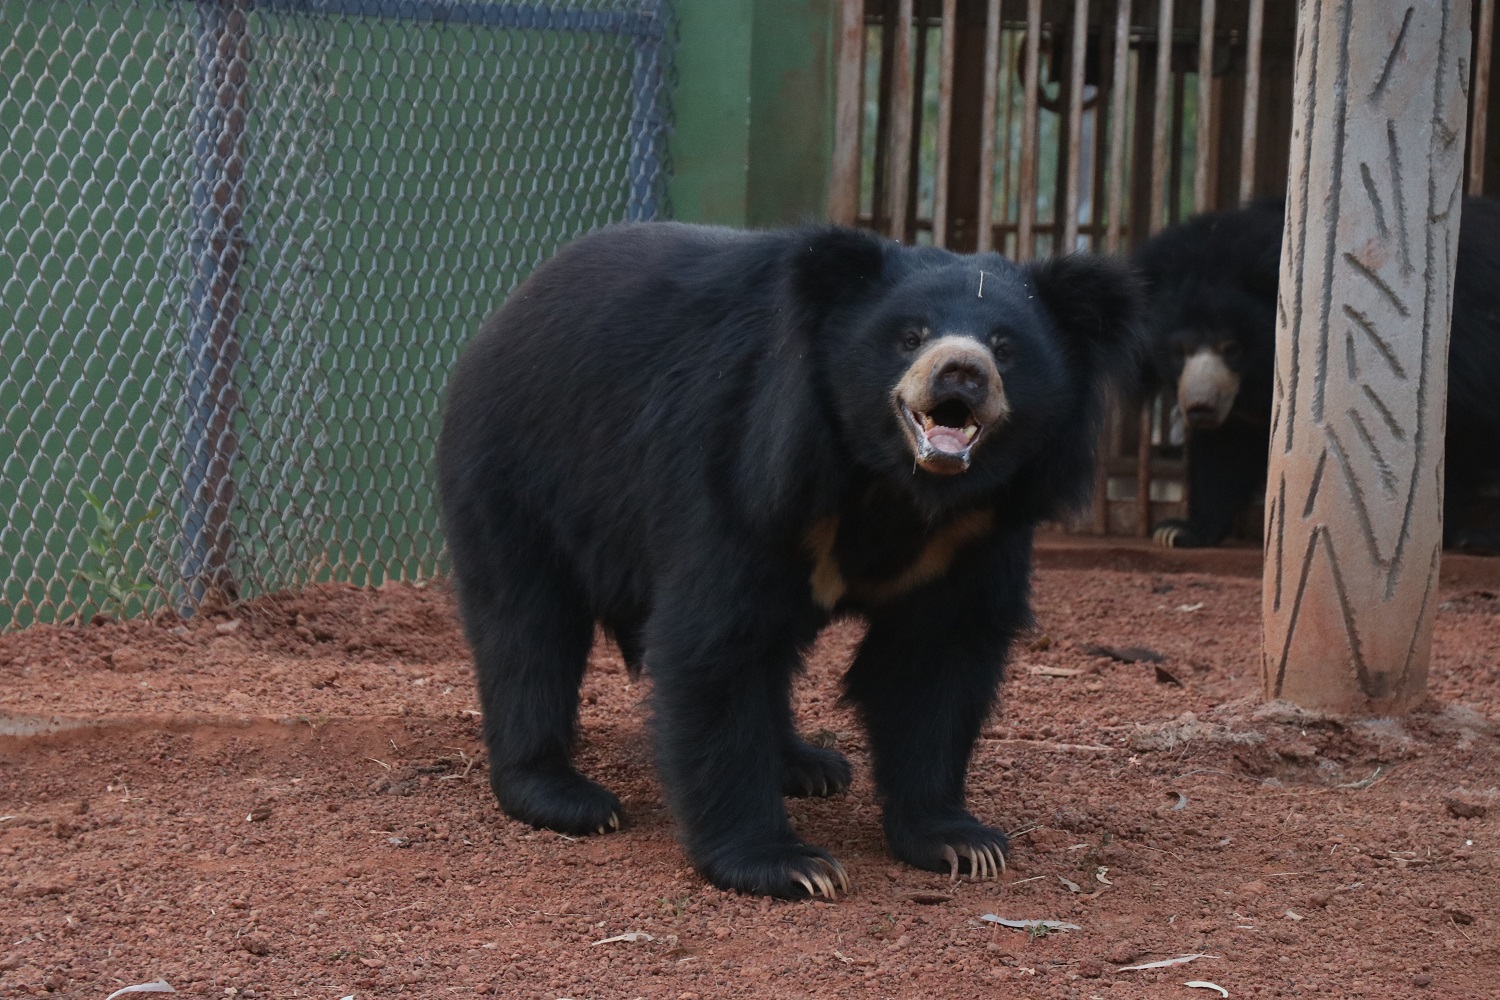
x: 809, y: 770
x: 1175, y: 534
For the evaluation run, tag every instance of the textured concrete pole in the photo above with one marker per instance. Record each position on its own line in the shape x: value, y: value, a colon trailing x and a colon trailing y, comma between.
x: 1354, y: 501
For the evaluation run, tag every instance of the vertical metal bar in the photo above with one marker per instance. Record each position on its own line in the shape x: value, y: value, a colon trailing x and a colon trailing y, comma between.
x: 648, y: 122
x: 217, y: 247
x: 1009, y: 169
x: 1479, y: 95
x: 986, y: 232
x: 1075, y: 124
x: 918, y: 119
x: 1202, y: 161
x: 1143, y: 471
x: 843, y: 196
x: 1118, y: 97
x: 945, y: 125
x: 882, y: 181
x: 898, y: 159
x: 1115, y: 211
x: 1161, y: 121
x: 1026, y: 217
x: 1250, y: 115
x: 1174, y: 148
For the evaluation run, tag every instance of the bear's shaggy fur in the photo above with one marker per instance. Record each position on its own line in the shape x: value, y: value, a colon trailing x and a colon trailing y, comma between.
x: 1211, y: 283
x: 711, y: 442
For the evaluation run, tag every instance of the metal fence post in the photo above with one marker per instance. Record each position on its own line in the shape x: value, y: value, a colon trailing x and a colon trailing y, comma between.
x: 648, y: 121
x: 211, y: 400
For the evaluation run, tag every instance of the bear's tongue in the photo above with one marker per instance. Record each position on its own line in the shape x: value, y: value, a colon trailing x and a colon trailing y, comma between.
x: 947, y: 439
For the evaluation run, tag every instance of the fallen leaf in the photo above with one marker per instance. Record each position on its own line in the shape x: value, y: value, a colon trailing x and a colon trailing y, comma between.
x: 1026, y: 925
x: 160, y: 986
x: 1165, y: 676
x: 928, y: 898
x: 1072, y: 886
x: 1459, y: 809
x: 1125, y: 654
x: 1166, y: 962
x: 1204, y: 985
x: 1190, y: 607
x: 1055, y: 671
x: 627, y: 936
x: 1100, y: 874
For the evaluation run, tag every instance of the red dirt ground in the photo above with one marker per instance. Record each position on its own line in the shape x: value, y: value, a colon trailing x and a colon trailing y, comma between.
x: 291, y: 802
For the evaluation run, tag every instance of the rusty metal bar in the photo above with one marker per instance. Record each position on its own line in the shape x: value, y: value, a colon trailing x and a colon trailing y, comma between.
x: 898, y: 158
x: 1202, y: 161
x: 1479, y: 95
x: 1143, y: 470
x: 1009, y: 172
x: 843, y: 196
x: 944, y: 125
x: 1026, y: 220
x: 1118, y: 104
x: 1250, y: 109
x: 1161, y: 120
x: 986, y: 230
x: 1101, y: 472
x: 1075, y: 124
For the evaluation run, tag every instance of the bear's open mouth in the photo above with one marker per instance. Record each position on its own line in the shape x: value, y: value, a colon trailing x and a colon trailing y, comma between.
x: 944, y: 436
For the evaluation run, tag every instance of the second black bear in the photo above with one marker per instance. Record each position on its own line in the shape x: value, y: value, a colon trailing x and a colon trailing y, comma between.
x: 711, y: 442
x: 1211, y: 283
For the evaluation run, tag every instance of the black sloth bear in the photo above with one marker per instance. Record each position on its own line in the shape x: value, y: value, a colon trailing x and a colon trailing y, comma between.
x: 1211, y: 284
x: 710, y: 442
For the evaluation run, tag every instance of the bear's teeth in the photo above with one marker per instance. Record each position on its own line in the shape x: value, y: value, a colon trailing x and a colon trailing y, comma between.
x: 970, y: 431
x: 927, y: 422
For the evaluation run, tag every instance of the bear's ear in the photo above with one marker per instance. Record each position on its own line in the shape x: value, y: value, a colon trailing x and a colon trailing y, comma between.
x: 834, y: 265
x: 1098, y: 307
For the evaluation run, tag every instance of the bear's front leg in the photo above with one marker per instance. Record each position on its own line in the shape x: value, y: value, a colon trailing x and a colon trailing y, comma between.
x: 923, y: 682
x: 722, y: 657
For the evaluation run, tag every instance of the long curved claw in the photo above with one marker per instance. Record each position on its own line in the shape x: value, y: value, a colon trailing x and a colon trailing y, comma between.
x: 614, y: 821
x: 1001, y: 855
x: 827, y: 883
x: 840, y: 874
x: 951, y: 856
x: 802, y: 879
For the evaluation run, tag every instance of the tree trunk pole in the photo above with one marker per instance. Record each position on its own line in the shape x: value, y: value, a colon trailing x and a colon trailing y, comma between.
x: 1354, y: 496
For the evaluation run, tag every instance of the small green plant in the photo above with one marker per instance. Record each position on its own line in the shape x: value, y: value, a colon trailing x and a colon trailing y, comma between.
x: 107, y: 544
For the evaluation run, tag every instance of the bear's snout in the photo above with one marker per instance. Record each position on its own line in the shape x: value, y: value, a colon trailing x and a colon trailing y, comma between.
x: 962, y: 378
x: 947, y: 401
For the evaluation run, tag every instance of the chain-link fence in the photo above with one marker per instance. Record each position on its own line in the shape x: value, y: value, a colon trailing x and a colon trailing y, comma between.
x: 241, y: 242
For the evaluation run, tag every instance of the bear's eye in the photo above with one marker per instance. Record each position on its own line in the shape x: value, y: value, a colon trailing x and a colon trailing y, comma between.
x: 911, y: 339
x: 1002, y: 348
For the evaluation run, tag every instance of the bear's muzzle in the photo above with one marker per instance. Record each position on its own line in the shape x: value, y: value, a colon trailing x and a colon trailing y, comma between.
x: 948, y: 401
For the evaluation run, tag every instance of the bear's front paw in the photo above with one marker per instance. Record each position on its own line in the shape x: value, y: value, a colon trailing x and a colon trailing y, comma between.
x: 949, y: 843
x: 808, y: 770
x: 1175, y: 534
x: 786, y: 869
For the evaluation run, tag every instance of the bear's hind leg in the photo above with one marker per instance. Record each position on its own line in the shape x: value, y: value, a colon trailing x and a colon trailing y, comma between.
x: 530, y: 639
x: 807, y: 769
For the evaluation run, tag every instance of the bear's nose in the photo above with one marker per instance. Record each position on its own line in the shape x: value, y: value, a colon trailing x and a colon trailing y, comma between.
x: 961, y: 378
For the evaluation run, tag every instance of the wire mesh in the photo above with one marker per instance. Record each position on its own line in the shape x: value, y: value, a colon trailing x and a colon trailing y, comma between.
x: 241, y: 245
